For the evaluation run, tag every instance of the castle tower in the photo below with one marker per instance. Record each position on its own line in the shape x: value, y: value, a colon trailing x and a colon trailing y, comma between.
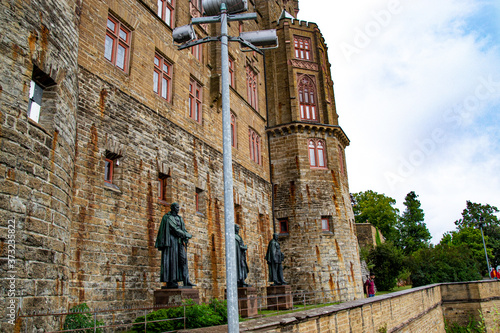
x: 38, y: 101
x: 312, y: 203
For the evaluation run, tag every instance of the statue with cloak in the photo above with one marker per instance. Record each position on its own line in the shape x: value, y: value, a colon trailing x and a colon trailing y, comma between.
x: 274, y: 258
x: 172, y: 240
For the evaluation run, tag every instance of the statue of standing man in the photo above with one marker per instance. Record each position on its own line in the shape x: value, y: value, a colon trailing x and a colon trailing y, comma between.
x: 241, y: 258
x: 172, y: 241
x: 274, y: 258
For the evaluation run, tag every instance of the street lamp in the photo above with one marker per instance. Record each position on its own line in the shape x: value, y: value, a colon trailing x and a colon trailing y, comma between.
x: 223, y: 11
x: 480, y: 224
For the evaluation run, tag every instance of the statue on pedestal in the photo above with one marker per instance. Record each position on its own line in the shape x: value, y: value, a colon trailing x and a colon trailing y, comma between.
x: 274, y: 258
x: 172, y: 241
x: 241, y: 258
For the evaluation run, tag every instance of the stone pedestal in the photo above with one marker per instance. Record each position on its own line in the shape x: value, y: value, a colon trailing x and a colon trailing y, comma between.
x: 279, y: 297
x: 175, y: 297
x: 247, y: 302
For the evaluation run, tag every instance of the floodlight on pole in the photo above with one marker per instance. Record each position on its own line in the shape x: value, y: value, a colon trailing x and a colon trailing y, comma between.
x: 261, y: 38
x: 183, y: 34
x: 213, y: 7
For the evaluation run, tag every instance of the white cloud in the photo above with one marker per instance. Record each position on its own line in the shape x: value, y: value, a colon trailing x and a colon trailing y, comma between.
x: 418, y: 91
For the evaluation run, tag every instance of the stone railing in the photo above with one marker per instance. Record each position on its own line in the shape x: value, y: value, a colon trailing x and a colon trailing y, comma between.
x: 422, y: 309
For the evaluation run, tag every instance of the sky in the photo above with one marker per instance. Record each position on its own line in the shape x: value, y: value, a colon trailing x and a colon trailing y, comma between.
x: 417, y: 89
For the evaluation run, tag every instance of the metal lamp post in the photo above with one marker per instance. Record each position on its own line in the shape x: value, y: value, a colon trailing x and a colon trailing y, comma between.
x: 481, y: 222
x: 223, y: 11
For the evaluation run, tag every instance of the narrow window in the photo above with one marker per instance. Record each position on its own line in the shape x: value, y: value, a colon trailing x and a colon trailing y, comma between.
x: 197, y: 52
x: 195, y: 100
x: 233, y: 131
x: 166, y: 11
x: 108, y: 170
x: 325, y: 223
x: 42, y: 87
x: 254, y: 141
x: 341, y: 161
x: 316, y: 148
x: 231, y: 72
x: 302, y: 48
x: 117, y: 43
x: 35, y: 103
x: 200, y: 201
x: 164, y: 187
x: 162, y: 77
x: 252, y: 87
x: 283, y: 224
x: 307, y: 100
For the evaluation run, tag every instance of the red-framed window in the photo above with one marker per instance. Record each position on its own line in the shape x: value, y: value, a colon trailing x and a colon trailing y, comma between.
x: 163, y: 187
x: 283, y: 225
x: 197, y: 52
x: 231, y: 72
x: 117, y: 43
x: 341, y: 161
x: 195, y: 100
x: 252, y: 85
x: 108, y: 170
x: 307, y: 99
x: 162, y: 77
x: 325, y: 223
x: 234, y: 133
x: 166, y: 11
x: 317, y: 157
x: 197, y: 4
x: 302, y: 47
x: 254, y: 147
x: 240, y: 26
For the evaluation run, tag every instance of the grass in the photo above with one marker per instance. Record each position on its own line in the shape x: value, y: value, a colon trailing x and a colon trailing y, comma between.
x: 393, y: 290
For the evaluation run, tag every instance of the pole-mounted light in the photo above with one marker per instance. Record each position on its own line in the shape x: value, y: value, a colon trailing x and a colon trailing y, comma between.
x: 263, y: 39
x: 183, y: 34
x: 213, y: 7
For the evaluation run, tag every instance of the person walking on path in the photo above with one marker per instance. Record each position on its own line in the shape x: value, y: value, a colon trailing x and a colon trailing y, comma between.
x: 370, y: 286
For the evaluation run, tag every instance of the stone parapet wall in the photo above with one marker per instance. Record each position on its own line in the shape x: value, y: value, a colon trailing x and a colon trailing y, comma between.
x: 422, y: 309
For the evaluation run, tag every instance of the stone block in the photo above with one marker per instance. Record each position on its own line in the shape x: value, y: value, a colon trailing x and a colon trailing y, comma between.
x: 279, y: 297
x: 174, y: 297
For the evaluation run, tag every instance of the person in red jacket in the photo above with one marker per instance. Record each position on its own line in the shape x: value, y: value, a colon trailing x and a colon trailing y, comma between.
x: 494, y: 273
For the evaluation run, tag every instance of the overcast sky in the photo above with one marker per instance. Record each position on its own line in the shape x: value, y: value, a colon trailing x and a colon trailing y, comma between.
x: 417, y: 87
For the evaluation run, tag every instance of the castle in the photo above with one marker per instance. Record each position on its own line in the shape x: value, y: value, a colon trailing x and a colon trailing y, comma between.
x: 104, y: 123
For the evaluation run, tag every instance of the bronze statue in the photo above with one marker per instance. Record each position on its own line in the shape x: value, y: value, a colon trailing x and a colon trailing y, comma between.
x: 172, y: 241
x: 274, y: 258
x: 241, y: 258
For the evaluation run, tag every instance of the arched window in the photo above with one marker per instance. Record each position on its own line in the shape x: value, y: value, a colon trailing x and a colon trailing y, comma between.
x: 307, y: 99
x: 254, y: 146
x: 234, y: 133
x: 317, y: 158
x: 252, y: 87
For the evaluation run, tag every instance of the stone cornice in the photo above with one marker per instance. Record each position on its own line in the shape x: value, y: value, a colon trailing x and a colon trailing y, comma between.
x: 306, y: 127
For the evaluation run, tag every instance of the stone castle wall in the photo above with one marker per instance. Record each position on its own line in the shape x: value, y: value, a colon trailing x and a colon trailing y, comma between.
x: 39, y: 40
x: 81, y: 239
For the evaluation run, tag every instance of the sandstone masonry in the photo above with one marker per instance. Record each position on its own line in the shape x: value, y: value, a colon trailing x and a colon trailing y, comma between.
x: 81, y: 238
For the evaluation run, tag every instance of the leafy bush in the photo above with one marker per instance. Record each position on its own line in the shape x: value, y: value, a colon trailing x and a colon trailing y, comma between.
x: 473, y: 326
x: 81, y: 318
x: 388, y: 263
x: 443, y: 263
x: 203, y: 315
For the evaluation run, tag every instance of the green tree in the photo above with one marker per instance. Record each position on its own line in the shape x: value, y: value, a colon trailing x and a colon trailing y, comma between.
x: 471, y: 216
x: 377, y: 209
x: 413, y: 233
x: 387, y: 261
x: 442, y: 263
